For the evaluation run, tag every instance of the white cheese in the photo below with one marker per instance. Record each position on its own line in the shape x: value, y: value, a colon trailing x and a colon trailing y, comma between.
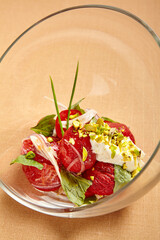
x: 103, y: 154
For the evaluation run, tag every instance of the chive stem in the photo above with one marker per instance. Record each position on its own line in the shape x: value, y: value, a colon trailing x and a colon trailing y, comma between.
x: 72, y: 94
x: 56, y: 105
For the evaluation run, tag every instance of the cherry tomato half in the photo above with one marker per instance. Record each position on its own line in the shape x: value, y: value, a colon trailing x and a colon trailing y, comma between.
x: 102, y: 176
x: 71, y: 154
x: 45, y: 179
x: 63, y: 116
x: 27, y: 146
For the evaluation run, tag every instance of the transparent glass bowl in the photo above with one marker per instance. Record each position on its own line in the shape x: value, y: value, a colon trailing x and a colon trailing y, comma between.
x: 119, y: 75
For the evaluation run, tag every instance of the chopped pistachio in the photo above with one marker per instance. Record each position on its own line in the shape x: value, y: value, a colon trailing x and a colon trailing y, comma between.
x: 126, y: 157
x: 106, y: 132
x: 81, y: 133
x: 76, y: 124
x: 107, y: 126
x: 124, y: 166
x: 85, y: 135
x: 130, y: 144
x: 137, y: 152
x: 92, y: 178
x: 84, y: 154
x: 135, y: 172
x: 49, y: 139
x: 113, y: 152
x: 73, y: 116
x: 30, y: 155
x: 92, y: 136
x: 102, y: 129
x: 101, y: 132
x: 100, y: 122
x: 99, y: 139
x: 124, y: 144
x: 120, y: 136
x: 90, y: 128
x: 106, y: 142
x: 71, y: 140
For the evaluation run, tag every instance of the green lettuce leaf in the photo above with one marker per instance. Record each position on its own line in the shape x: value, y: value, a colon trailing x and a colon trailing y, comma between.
x: 108, y: 119
x: 45, y: 126
x: 25, y: 161
x: 74, y: 187
x: 77, y: 107
x: 121, y: 177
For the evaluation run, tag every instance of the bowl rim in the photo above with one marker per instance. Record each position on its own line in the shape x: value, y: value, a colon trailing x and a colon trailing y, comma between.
x: 8, y: 189
x: 108, y: 7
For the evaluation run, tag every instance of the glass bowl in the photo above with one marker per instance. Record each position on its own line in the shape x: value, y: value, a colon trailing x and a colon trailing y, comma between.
x: 119, y: 76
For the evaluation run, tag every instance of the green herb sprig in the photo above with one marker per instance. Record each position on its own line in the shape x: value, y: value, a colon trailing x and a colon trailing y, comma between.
x: 56, y: 105
x: 45, y: 126
x: 72, y: 94
x: 74, y: 187
x: 28, y: 160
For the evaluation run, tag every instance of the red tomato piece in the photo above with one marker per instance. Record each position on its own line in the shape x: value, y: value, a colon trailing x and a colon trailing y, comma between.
x: 27, y: 146
x: 45, y: 179
x: 71, y: 154
x: 122, y: 127
x: 102, y: 176
x: 63, y: 116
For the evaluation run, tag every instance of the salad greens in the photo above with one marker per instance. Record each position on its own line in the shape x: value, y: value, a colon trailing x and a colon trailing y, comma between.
x: 121, y: 177
x: 77, y: 107
x: 26, y: 160
x: 74, y: 187
x: 45, y: 126
x: 108, y: 119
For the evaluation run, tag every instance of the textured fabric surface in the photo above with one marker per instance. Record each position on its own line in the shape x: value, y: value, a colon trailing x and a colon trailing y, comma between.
x: 139, y: 221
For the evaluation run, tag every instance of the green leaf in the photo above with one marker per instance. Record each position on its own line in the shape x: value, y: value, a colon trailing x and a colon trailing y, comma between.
x: 121, y: 177
x: 77, y: 103
x: 77, y: 107
x: 108, y: 119
x: 74, y: 187
x: 45, y: 126
x: 28, y: 162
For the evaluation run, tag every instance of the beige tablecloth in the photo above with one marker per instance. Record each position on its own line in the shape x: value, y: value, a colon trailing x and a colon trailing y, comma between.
x: 139, y: 221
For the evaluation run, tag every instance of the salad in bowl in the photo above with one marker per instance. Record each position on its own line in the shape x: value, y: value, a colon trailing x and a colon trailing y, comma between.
x: 79, y: 154
x: 80, y: 159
